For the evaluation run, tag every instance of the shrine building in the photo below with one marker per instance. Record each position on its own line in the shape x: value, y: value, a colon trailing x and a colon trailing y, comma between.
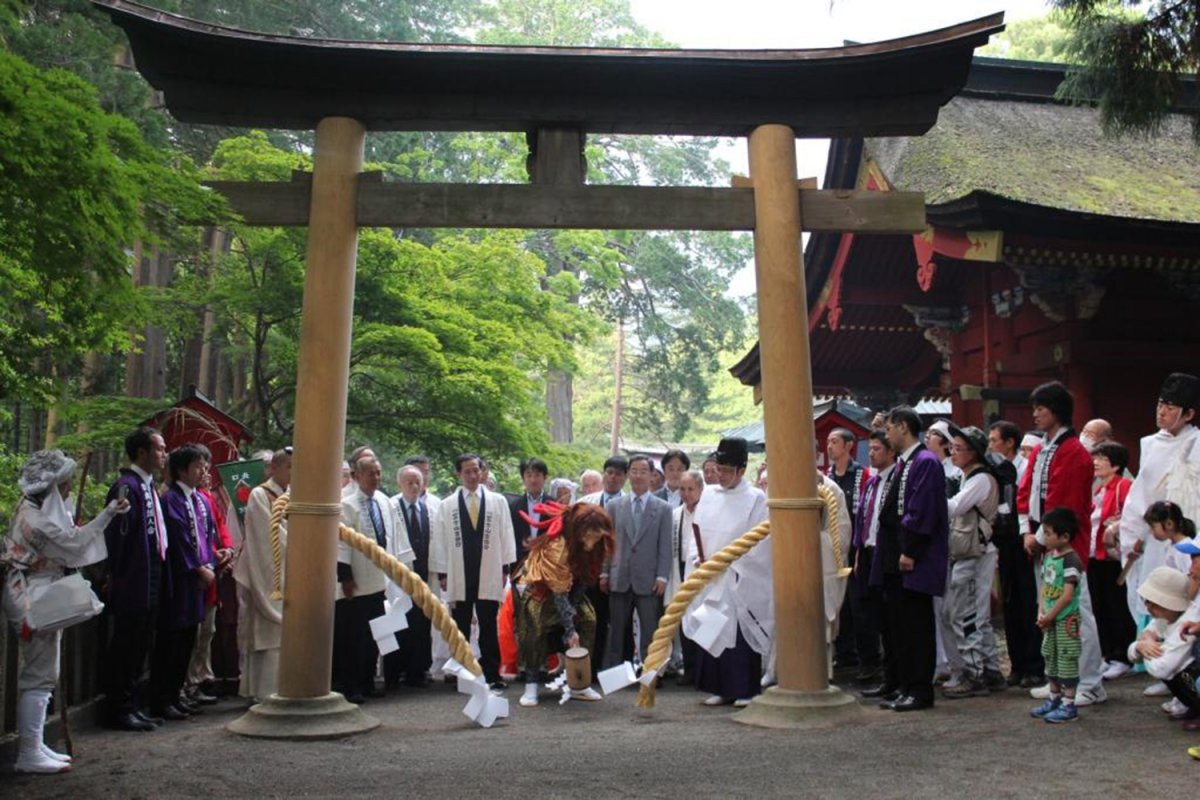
x: 1051, y: 252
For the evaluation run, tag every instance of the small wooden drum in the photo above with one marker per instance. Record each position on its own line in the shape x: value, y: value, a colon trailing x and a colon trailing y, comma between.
x: 579, y: 668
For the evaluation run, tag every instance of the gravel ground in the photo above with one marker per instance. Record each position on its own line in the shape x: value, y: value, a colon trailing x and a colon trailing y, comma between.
x: 981, y: 747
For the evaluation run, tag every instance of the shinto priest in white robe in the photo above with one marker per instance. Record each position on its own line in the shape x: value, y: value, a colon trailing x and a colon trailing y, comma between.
x: 1168, y: 471
x: 746, y: 592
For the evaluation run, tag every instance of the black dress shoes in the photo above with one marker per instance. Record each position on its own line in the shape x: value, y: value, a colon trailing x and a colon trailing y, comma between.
x: 200, y: 698
x: 868, y: 673
x: 174, y: 713
x: 882, y: 690
x: 357, y: 699
x: 146, y: 716
x: 130, y: 722
x: 376, y: 693
x: 187, y: 707
x: 910, y: 703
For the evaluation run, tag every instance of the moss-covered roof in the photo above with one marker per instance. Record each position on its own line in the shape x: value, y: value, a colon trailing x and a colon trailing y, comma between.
x: 1050, y: 154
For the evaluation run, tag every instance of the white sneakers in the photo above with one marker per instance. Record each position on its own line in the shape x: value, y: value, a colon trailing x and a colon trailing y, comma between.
x: 1175, y: 708
x: 715, y: 700
x: 32, y: 754
x: 1117, y: 670
x: 530, y: 697
x: 742, y: 702
x: 586, y: 694
x: 1156, y: 689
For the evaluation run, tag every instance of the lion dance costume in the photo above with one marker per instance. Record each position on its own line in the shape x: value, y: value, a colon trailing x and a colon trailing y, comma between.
x: 563, y: 562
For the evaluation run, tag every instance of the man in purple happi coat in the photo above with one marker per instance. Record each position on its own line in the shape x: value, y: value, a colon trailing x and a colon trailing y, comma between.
x: 910, y: 563
x: 190, y: 565
x: 137, y: 548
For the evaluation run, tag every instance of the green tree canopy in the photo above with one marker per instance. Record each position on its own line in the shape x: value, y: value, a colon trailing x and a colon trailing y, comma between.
x: 78, y: 187
x: 1137, y: 60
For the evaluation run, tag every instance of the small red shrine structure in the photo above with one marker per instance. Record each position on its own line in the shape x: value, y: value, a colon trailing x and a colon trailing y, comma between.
x: 829, y: 414
x: 1051, y: 252
x: 195, y: 420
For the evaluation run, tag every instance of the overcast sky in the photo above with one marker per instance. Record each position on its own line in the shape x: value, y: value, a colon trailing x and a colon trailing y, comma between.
x: 788, y: 24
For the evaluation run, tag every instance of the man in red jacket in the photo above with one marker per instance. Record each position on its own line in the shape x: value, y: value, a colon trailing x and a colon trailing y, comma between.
x: 1060, y: 475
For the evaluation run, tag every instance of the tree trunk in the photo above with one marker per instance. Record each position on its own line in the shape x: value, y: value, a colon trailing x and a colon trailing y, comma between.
x: 560, y: 396
x: 146, y: 368
x: 210, y: 350
x: 614, y: 442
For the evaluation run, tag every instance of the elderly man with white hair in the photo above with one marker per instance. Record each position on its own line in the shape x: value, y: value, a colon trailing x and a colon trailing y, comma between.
x: 42, y: 544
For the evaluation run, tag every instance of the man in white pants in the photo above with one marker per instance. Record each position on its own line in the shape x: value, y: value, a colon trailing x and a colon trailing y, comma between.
x: 1060, y: 474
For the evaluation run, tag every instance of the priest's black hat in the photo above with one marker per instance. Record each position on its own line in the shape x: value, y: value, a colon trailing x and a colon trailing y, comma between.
x: 733, y: 452
x: 1181, y: 389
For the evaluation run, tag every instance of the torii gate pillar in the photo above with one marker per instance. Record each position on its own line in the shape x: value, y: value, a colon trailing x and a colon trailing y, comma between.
x: 803, y: 697
x: 304, y: 707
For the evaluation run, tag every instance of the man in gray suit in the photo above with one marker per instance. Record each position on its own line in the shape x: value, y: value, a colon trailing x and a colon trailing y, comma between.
x: 637, y: 575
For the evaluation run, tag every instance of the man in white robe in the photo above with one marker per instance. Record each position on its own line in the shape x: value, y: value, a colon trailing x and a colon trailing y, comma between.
x: 471, y: 554
x: 1170, y: 461
x: 684, y: 552
x: 754, y: 591
x: 260, y: 617
x: 729, y: 667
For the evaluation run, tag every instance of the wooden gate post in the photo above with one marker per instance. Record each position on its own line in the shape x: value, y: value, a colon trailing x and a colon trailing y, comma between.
x: 304, y: 706
x: 803, y: 696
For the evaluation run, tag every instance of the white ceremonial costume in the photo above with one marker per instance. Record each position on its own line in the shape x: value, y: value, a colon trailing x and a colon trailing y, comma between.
x: 260, y: 618
x: 42, y: 543
x: 499, y: 547
x: 683, y: 549
x: 754, y: 590
x: 1166, y: 461
x: 723, y: 515
x: 368, y: 578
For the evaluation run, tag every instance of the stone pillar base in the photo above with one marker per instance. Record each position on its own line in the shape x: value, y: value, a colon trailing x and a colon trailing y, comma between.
x: 328, y: 717
x: 785, y: 708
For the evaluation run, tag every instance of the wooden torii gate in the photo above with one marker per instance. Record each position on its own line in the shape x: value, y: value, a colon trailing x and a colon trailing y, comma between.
x: 213, y: 74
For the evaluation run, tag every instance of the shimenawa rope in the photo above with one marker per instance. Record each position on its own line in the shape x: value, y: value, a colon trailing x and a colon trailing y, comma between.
x: 400, y: 574
x: 668, y: 624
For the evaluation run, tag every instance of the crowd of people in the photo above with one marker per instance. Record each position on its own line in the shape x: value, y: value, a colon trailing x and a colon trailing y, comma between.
x: 1097, y: 569
x: 1094, y: 567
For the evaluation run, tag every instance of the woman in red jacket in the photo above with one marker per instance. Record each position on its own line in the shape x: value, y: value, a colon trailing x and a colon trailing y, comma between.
x: 1113, y: 620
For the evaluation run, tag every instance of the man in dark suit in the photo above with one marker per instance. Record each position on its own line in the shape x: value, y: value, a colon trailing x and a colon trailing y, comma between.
x: 533, y: 475
x: 636, y: 577
x: 415, y: 656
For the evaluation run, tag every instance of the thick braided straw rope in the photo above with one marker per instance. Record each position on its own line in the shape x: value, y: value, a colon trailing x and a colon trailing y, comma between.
x: 668, y: 624
x: 278, y: 512
x: 403, y: 577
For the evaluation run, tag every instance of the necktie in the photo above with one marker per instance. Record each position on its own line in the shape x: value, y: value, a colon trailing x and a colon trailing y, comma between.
x: 637, y: 514
x: 473, y: 509
x: 864, y: 531
x: 414, y: 526
x: 195, y: 536
x: 160, y: 530
x: 377, y: 522
x: 203, y: 530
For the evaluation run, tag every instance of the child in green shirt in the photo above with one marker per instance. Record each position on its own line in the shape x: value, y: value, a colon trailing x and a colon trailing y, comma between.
x: 1059, y: 616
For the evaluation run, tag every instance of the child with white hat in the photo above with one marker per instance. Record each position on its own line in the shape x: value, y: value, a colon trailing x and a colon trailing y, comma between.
x: 1164, y: 647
